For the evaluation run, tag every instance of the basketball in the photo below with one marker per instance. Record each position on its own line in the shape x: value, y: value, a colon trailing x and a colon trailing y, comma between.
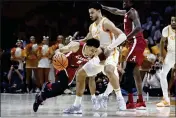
x: 60, y: 61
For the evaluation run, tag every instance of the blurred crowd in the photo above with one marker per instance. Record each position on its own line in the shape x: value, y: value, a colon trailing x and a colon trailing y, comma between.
x: 65, y: 19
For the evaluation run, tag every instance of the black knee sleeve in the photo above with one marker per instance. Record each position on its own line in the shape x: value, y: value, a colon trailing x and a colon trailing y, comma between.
x: 129, y: 78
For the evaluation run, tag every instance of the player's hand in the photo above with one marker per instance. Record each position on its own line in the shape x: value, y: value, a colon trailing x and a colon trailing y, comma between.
x: 108, y: 50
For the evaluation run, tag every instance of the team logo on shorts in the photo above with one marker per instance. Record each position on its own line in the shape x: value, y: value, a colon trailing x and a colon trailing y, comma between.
x: 133, y: 59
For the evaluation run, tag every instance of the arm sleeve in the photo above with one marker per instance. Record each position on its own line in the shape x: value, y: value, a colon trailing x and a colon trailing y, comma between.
x: 165, y: 32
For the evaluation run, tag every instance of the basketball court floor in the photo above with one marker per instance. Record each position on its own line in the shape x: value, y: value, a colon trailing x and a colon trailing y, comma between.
x: 20, y: 105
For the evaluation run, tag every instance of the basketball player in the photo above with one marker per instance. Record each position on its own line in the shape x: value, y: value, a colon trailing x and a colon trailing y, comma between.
x: 168, y: 33
x: 105, y: 31
x: 137, y: 44
x: 78, y: 54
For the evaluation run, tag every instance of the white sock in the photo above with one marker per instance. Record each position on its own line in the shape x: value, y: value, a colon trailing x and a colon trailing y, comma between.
x: 77, y: 101
x: 108, y: 90
x: 163, y: 81
x: 93, y: 96
x: 118, y: 92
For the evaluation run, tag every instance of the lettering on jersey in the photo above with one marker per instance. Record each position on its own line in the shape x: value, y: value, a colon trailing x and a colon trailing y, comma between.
x: 80, y: 59
x: 133, y: 59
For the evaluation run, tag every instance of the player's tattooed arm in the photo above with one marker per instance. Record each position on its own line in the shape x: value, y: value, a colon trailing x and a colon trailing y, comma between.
x: 89, y: 35
x: 121, y: 37
x: 137, y: 25
x: 114, y: 11
x: 72, y: 46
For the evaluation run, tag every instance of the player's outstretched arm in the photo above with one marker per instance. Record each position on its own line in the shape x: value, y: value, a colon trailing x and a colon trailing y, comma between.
x: 114, y: 11
x: 121, y: 37
x: 72, y: 46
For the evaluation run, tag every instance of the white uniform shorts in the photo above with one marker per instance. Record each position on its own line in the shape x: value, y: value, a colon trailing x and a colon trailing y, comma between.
x: 93, y: 66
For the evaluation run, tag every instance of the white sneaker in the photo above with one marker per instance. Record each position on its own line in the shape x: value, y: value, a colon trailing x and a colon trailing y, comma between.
x: 95, y: 103
x: 121, y: 105
x: 73, y: 110
x: 103, y: 100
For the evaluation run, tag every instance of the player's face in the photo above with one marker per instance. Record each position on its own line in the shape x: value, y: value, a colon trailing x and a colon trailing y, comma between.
x: 93, y: 13
x: 90, y: 51
x: 126, y: 4
x: 173, y: 22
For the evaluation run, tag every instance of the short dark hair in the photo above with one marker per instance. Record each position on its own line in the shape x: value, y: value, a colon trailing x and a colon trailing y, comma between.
x: 93, y: 43
x: 95, y: 5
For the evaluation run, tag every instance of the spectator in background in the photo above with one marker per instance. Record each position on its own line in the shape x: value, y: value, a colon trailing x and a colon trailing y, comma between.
x: 44, y: 55
x: 17, y: 53
x: 101, y: 83
x: 15, y: 78
x: 152, y: 28
x: 151, y: 82
x: 31, y: 64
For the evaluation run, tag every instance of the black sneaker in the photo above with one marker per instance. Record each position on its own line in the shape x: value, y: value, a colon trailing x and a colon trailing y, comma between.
x: 37, y: 102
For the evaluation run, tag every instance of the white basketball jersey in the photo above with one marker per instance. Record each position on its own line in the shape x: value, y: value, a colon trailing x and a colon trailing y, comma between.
x: 105, y: 37
x: 170, y: 34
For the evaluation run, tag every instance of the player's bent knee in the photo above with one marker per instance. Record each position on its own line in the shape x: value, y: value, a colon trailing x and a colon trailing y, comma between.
x: 109, y: 69
x: 81, y: 74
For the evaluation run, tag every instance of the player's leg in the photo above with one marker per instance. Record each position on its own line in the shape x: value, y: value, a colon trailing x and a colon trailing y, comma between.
x: 50, y: 90
x: 92, y: 88
x: 135, y: 59
x: 168, y: 64
x: 110, y: 70
x: 138, y: 81
x: 89, y: 69
x: 171, y: 82
x: 80, y: 87
x: 129, y: 70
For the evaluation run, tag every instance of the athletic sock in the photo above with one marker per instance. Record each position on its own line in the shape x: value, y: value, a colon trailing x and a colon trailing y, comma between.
x: 77, y: 101
x: 118, y: 92
x: 93, y: 96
